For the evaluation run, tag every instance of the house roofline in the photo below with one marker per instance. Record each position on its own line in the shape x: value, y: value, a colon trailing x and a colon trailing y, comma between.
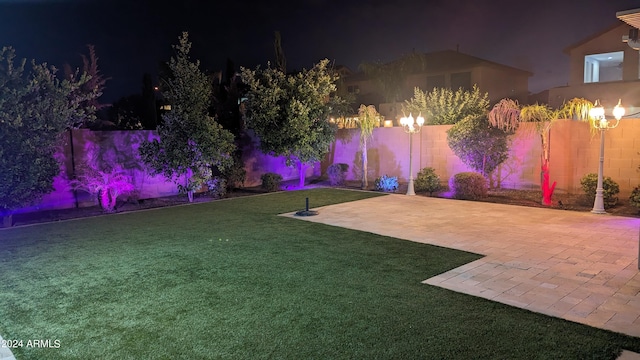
x: 568, y: 49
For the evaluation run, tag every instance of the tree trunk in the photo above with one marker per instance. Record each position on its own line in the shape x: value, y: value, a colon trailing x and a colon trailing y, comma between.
x: 187, y: 185
x: 365, y: 183
x: 302, y: 174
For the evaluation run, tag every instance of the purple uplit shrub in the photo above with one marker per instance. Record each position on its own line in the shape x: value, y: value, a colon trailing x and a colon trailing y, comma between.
x: 271, y: 181
x: 468, y: 186
x: 386, y: 183
x: 106, y: 184
x: 337, y: 173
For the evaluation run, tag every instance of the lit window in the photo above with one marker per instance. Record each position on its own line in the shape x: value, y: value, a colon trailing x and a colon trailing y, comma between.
x: 603, y: 67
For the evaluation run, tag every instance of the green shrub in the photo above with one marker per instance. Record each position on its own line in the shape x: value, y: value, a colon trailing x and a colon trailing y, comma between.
x: 337, y: 173
x: 610, y: 188
x: 235, y: 174
x: 386, y: 183
x: 271, y: 181
x: 468, y: 185
x: 427, y: 181
x: 217, y: 187
x: 634, y: 199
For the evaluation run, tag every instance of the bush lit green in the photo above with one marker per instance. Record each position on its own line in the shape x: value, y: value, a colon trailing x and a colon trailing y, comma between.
x: 634, y: 199
x: 271, y: 181
x: 610, y: 189
x: 427, y: 181
x: 468, y: 186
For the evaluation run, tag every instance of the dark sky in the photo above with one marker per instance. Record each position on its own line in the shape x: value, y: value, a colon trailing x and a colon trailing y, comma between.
x: 132, y: 37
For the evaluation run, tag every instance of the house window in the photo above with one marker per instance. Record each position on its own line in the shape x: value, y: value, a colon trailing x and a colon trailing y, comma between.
x: 603, y: 67
x: 353, y: 89
x: 435, y: 81
x: 461, y: 80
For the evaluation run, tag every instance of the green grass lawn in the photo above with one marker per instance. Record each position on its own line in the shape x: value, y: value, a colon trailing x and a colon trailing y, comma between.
x: 231, y: 280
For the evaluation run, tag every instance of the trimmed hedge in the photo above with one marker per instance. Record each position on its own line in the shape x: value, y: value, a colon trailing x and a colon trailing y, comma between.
x: 468, y: 186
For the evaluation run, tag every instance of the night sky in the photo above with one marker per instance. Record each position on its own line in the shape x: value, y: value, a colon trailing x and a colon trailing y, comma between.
x: 132, y: 37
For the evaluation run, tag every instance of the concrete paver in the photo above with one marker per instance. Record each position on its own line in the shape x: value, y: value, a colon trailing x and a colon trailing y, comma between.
x: 577, y: 266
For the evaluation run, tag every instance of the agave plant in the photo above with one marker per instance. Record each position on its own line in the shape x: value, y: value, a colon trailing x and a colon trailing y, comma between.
x: 105, y: 184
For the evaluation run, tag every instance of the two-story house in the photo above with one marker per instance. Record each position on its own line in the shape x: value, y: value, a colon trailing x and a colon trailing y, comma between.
x: 602, y: 67
x: 444, y: 69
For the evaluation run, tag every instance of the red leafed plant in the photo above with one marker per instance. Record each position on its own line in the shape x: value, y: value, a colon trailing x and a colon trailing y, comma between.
x: 547, y: 191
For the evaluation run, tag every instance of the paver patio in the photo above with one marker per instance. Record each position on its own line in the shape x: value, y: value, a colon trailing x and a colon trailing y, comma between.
x: 577, y: 266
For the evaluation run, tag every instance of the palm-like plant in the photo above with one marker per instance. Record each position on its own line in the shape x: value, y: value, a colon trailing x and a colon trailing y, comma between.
x: 368, y: 117
x: 507, y: 115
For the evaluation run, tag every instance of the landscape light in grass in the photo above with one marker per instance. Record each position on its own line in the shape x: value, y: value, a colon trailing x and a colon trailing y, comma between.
x: 306, y: 211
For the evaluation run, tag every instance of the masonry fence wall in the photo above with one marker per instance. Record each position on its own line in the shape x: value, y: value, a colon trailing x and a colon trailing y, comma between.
x: 574, y: 153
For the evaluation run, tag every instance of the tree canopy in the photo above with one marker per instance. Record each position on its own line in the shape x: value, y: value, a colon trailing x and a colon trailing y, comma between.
x: 442, y: 106
x: 478, y: 144
x: 191, y: 141
x: 36, y: 107
x: 290, y: 112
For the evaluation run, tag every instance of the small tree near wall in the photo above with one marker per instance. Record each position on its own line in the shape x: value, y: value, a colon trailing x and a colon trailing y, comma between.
x: 290, y: 112
x: 478, y: 145
x: 191, y: 141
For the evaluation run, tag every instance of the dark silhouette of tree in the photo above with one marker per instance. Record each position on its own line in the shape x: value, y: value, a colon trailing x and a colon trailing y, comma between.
x: 227, y: 91
x: 127, y: 113
x: 149, y: 103
x: 92, y: 88
x: 281, y: 60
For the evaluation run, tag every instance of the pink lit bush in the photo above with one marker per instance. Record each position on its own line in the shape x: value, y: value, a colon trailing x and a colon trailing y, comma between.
x: 106, y: 185
x: 468, y: 186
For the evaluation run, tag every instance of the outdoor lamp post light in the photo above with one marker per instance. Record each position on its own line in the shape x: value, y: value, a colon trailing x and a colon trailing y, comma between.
x: 411, y: 126
x: 601, y: 123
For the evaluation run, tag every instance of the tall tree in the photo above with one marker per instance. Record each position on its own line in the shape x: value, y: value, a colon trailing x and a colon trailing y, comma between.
x: 290, y: 113
x: 281, y: 59
x: 149, y: 103
x: 191, y: 141
x: 368, y: 117
x: 36, y: 107
x: 92, y: 89
x: 127, y: 113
